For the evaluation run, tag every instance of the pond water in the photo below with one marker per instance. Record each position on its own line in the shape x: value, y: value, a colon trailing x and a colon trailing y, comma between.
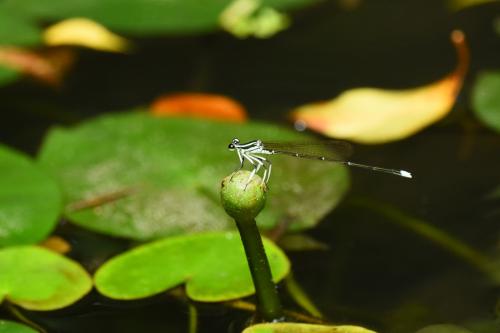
x: 377, y: 271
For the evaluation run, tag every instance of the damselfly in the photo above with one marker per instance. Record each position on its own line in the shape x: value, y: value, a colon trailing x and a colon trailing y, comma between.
x: 331, y: 151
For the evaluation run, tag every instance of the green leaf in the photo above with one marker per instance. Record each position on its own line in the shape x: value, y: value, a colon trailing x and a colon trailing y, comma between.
x: 17, y: 30
x: 7, y: 326
x: 174, y: 167
x: 30, y: 201
x: 8, y: 75
x: 141, y: 16
x: 39, y: 279
x: 486, y: 99
x: 443, y: 328
x: 304, y: 328
x: 213, y: 266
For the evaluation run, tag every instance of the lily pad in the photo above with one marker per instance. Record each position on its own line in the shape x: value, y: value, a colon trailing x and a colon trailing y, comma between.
x: 39, y: 279
x: 486, y: 100
x: 140, y: 16
x: 30, y: 201
x: 304, y: 328
x: 174, y: 167
x: 213, y: 266
x: 7, y: 326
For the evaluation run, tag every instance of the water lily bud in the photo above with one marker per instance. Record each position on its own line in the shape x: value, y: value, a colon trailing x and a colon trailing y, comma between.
x: 241, y: 199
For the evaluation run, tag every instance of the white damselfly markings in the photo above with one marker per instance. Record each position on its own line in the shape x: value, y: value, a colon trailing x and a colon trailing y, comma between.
x: 331, y: 151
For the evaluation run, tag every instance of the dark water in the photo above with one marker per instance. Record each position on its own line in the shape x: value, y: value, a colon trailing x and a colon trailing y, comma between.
x: 376, y: 273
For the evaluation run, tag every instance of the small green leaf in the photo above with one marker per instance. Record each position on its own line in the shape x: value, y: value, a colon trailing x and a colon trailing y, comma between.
x: 212, y: 265
x: 443, y: 328
x: 7, y: 326
x: 30, y: 201
x: 174, y: 167
x: 39, y: 279
x: 8, y: 75
x: 486, y: 99
x: 304, y: 328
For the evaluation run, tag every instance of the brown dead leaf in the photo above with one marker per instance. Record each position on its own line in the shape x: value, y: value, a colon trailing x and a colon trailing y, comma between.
x: 56, y: 244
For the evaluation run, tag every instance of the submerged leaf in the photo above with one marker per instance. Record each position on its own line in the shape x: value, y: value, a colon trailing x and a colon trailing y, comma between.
x: 370, y: 115
x: 461, y: 4
x: 486, y: 99
x: 199, y: 105
x: 443, y: 328
x: 175, y: 166
x: 213, y: 266
x: 7, y: 326
x: 304, y: 328
x: 39, y: 279
x: 30, y: 201
x: 86, y: 33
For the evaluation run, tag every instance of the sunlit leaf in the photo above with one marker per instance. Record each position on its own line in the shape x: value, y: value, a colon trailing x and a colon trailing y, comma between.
x: 30, y: 201
x: 244, y: 18
x: 48, y: 66
x: 443, y: 328
x: 199, y: 105
x: 7, y: 326
x: 86, y: 33
x: 170, y: 170
x: 39, y: 279
x: 304, y: 328
x: 371, y: 115
x: 486, y: 99
x: 213, y: 266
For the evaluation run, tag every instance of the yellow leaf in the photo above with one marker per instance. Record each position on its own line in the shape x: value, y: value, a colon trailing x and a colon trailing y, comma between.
x: 304, y: 328
x: 371, y: 115
x: 86, y: 33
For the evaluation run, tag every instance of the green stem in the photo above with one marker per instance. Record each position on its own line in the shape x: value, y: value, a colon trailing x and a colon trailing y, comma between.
x: 426, y: 230
x: 268, y: 304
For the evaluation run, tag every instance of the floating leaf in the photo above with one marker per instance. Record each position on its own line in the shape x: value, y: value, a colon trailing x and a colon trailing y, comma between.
x: 198, y: 105
x: 86, y: 33
x: 39, y: 279
x: 370, y: 115
x: 245, y: 18
x: 304, y: 328
x: 174, y: 167
x: 30, y: 201
x: 7, y: 326
x: 486, y: 99
x: 213, y: 266
x: 17, y: 30
x: 140, y: 16
x: 443, y: 328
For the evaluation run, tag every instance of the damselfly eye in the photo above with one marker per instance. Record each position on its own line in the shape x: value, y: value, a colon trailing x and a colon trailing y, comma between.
x: 231, y: 146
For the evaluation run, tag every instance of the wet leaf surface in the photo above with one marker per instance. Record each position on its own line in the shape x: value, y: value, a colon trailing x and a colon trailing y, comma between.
x: 30, y: 201
x: 39, y: 279
x: 213, y: 266
x: 175, y: 167
x: 486, y: 99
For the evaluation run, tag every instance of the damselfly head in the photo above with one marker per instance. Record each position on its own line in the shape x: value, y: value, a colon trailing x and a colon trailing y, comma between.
x: 233, y: 144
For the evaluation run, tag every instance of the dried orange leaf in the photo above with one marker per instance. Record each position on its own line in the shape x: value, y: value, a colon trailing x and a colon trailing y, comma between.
x: 199, y: 106
x: 371, y: 115
x: 86, y: 33
x: 48, y: 66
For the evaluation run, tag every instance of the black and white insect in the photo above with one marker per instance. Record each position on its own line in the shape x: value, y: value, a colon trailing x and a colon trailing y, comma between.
x: 331, y: 151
